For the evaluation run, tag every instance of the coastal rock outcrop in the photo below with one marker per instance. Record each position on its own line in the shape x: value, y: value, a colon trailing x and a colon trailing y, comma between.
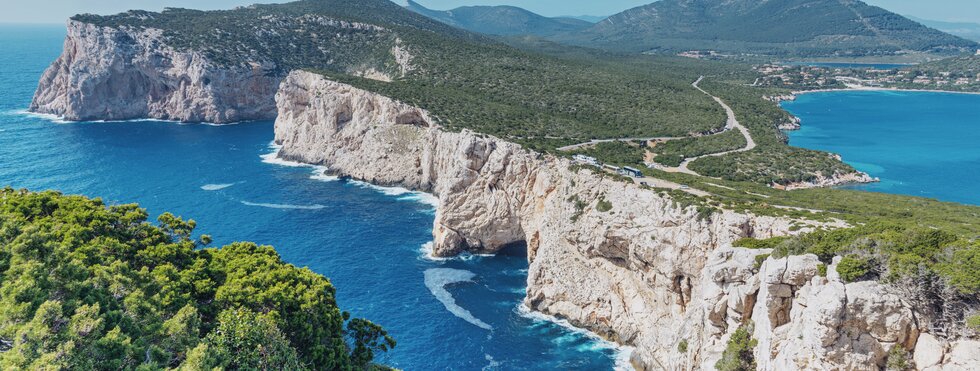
x: 107, y: 73
x: 629, y: 263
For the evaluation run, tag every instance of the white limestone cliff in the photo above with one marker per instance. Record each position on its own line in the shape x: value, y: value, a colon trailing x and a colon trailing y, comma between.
x: 646, y: 271
x: 109, y: 73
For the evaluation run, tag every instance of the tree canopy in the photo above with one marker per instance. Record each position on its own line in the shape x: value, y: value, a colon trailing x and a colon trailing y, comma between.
x: 89, y: 286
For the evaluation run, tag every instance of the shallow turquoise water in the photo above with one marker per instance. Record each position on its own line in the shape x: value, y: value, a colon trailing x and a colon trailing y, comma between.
x: 918, y: 143
x: 457, y: 314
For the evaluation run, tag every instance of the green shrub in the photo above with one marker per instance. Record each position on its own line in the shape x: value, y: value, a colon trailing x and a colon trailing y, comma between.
x: 898, y: 359
x: 752, y: 243
x: 738, y: 354
x: 682, y: 346
x: 603, y: 206
x: 973, y: 322
x: 963, y: 268
x: 852, y: 268
x: 759, y: 259
x: 822, y: 270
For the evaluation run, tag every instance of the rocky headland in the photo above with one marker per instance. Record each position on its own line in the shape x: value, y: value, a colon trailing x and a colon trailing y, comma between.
x: 107, y: 73
x: 626, y: 262
x: 630, y: 263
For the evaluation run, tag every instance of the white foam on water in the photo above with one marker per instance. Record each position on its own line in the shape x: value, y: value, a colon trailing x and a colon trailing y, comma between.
x: 284, y: 206
x: 494, y: 365
x: 318, y: 173
x: 403, y: 194
x: 226, y: 124
x: 273, y: 159
x: 61, y: 119
x: 425, y: 253
x: 623, y: 353
x: 436, y: 279
x: 216, y: 187
x: 44, y: 116
x: 423, y: 198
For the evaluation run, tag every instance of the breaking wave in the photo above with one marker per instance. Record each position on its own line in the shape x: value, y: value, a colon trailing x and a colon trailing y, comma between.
x: 623, y: 353
x: 216, y: 187
x: 284, y: 206
x: 436, y: 279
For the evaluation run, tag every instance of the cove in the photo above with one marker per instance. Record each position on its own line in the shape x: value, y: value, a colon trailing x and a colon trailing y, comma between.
x: 919, y: 143
x: 460, y: 314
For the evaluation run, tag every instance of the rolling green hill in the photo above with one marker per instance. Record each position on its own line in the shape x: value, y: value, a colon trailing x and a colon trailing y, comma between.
x: 773, y: 27
x: 501, y: 20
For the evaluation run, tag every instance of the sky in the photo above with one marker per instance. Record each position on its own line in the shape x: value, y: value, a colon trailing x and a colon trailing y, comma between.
x: 57, y: 11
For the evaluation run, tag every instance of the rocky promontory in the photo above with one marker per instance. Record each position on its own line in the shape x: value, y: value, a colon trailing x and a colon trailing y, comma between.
x: 107, y: 73
x: 629, y: 263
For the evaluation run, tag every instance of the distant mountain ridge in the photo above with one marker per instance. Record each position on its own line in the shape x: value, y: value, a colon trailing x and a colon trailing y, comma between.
x: 966, y: 30
x: 772, y: 27
x: 501, y: 20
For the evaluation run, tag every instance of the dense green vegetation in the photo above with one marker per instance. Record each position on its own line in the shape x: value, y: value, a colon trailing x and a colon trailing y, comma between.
x: 284, y: 37
x: 738, y: 354
x: 803, y: 28
x: 672, y: 153
x: 85, y: 286
x: 615, y: 153
x: 525, y: 97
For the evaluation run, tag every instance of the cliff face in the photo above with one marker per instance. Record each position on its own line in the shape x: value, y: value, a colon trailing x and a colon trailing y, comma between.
x: 109, y: 73
x: 645, y: 272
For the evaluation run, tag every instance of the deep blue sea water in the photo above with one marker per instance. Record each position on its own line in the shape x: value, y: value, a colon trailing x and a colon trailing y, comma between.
x: 460, y: 314
x: 918, y: 143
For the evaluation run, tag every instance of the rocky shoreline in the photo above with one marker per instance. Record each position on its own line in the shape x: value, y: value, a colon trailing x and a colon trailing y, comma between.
x: 629, y: 263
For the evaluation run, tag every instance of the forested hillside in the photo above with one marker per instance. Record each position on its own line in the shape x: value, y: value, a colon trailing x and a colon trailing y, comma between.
x: 803, y: 28
x: 87, y: 286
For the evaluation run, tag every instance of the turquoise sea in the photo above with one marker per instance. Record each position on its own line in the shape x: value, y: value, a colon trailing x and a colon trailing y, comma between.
x: 918, y: 143
x: 459, y: 314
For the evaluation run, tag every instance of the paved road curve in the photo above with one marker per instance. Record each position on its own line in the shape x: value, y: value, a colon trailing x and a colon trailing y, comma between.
x: 732, y: 123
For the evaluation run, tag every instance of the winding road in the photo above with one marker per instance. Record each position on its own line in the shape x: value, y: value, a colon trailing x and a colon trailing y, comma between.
x: 732, y: 123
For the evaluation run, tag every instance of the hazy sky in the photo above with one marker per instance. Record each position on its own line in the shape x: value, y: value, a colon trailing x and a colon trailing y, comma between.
x: 56, y: 11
